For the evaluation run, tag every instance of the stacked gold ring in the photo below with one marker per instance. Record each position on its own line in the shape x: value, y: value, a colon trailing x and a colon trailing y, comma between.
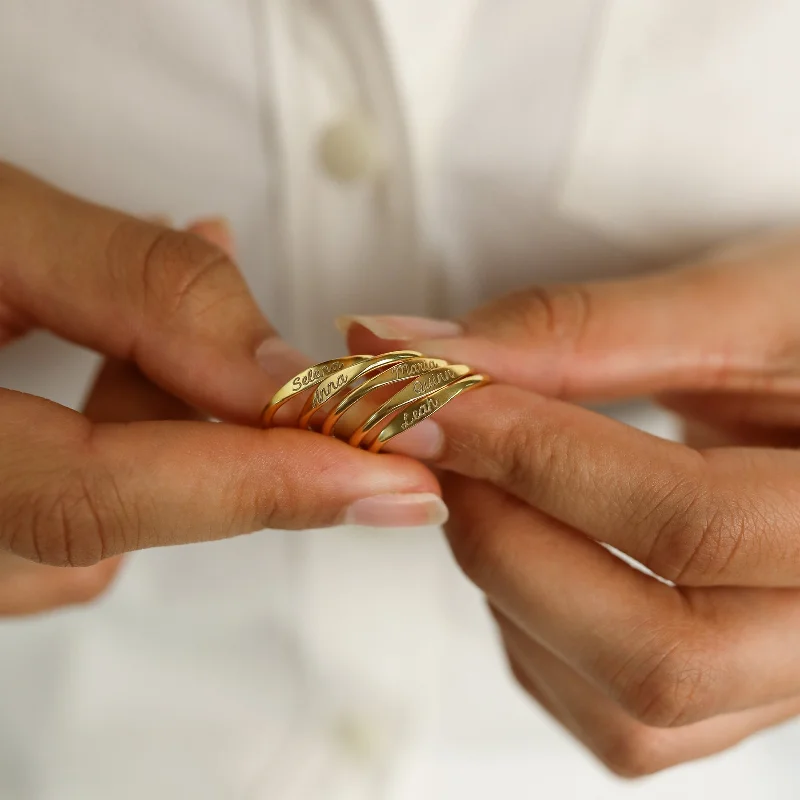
x: 334, y: 387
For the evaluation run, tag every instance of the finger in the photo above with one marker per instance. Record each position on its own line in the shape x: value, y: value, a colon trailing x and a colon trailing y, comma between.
x: 73, y: 493
x: 217, y: 231
x: 624, y: 745
x: 720, y: 324
x: 748, y: 419
x: 28, y: 588
x: 121, y: 393
x: 727, y: 516
x: 170, y: 301
x: 668, y: 657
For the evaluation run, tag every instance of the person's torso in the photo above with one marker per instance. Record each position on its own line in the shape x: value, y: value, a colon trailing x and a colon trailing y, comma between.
x: 408, y: 157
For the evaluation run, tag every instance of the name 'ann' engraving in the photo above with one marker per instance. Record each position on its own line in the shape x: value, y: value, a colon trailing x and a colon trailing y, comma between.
x: 314, y: 375
x: 405, y: 370
x: 325, y: 390
x: 434, y: 381
x: 415, y: 415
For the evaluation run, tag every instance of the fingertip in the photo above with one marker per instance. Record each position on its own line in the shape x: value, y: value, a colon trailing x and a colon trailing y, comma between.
x: 361, y: 339
x: 216, y: 230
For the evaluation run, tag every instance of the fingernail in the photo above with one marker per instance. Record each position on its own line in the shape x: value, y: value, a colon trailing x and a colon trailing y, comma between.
x: 279, y: 360
x: 397, y: 511
x: 216, y: 230
x: 402, y: 328
x: 424, y: 442
x: 159, y: 219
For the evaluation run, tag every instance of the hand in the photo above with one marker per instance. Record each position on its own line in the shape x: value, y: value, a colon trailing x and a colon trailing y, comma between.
x: 717, y: 340
x: 120, y: 394
x: 73, y: 492
x: 647, y: 674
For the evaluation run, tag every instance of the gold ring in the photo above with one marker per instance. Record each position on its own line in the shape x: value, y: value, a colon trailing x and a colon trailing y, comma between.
x: 402, y: 371
x: 422, y: 387
x: 307, y: 379
x: 336, y: 383
x: 422, y: 409
x: 430, y: 383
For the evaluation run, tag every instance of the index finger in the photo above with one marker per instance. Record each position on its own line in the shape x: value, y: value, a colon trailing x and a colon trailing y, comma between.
x: 169, y: 301
x: 727, y: 516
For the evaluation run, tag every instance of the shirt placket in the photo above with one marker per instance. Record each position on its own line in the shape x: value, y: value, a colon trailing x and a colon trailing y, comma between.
x: 346, y: 241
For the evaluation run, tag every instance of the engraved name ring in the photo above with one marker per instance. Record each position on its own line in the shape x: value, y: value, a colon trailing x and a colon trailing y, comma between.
x: 338, y: 386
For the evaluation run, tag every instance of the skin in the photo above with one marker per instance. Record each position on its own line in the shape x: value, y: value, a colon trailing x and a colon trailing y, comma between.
x: 647, y: 673
x: 142, y: 468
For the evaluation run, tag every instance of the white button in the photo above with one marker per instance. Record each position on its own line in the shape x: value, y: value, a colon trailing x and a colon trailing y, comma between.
x: 360, y: 737
x: 350, y: 148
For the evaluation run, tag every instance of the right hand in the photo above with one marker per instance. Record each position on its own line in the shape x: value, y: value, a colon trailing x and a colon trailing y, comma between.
x: 174, y: 310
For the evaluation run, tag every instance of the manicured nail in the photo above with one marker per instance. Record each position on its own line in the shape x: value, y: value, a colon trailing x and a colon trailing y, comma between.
x: 279, y: 360
x: 424, y: 442
x: 402, y: 328
x: 397, y: 511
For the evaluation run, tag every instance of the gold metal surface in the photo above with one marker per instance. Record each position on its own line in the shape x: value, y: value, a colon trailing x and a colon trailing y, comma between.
x: 424, y: 386
x: 403, y: 371
x: 307, y: 379
x: 334, y: 384
x: 422, y: 409
x: 431, y: 384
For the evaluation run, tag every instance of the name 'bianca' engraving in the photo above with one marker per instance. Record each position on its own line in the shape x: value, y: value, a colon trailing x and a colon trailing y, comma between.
x: 314, y: 375
x: 430, y: 382
x: 419, y: 413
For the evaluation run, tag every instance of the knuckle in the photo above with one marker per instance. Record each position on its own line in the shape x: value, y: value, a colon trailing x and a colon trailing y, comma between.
x: 633, y: 750
x: 525, y: 456
x: 77, y: 524
x: 696, y: 533
x: 668, y: 687
x: 183, y: 274
x: 561, y: 313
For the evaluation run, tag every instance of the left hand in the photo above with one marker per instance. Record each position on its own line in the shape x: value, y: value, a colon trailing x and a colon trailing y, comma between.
x: 645, y: 673
x: 120, y: 393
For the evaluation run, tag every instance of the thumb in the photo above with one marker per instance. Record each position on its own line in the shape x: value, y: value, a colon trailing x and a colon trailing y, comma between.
x: 74, y: 493
x: 729, y: 323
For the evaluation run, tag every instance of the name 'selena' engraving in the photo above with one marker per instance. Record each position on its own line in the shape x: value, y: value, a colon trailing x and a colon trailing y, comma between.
x: 430, y: 382
x: 315, y: 375
x: 403, y: 370
x: 416, y: 415
x: 324, y: 391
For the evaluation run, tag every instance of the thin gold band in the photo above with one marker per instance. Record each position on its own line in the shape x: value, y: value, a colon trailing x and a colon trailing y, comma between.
x: 307, y: 379
x: 336, y: 383
x: 402, y: 371
x: 424, y: 386
x: 431, y: 383
x: 421, y: 410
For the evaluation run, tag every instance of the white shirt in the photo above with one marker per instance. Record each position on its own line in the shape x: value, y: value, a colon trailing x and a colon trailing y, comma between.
x: 407, y: 157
